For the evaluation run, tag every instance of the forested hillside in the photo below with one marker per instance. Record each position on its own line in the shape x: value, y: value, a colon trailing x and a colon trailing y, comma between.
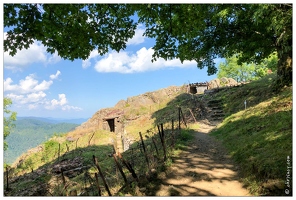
x: 30, y: 132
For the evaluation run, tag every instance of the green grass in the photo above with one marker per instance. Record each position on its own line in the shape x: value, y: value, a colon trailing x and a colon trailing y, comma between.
x: 98, y: 143
x: 259, y: 138
x: 184, y: 138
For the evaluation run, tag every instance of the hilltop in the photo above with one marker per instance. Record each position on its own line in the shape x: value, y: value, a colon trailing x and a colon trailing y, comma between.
x: 250, y: 134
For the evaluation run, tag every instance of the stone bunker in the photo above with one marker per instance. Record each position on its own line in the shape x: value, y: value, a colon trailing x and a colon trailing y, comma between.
x: 112, y: 121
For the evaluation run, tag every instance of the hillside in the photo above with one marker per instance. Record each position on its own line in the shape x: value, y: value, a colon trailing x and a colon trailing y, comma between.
x: 29, y: 132
x: 132, y: 112
x: 258, y: 138
x: 89, y: 139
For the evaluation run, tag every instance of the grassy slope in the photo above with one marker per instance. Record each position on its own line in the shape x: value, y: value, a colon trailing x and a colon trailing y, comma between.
x: 100, y: 146
x: 260, y: 137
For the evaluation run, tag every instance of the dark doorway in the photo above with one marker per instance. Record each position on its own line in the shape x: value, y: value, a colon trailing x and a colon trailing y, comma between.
x: 111, y: 124
x: 193, y: 90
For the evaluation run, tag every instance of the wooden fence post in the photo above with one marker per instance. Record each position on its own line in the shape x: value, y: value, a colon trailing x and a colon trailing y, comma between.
x: 163, y: 142
x: 129, y: 167
x: 63, y: 177
x: 119, y: 167
x: 145, y: 153
x: 7, y: 185
x: 154, y: 142
x: 183, y: 118
x: 91, y: 138
x: 161, y: 135
x: 101, y: 174
x: 98, y: 185
x: 192, y: 115
x: 173, y: 134
x: 179, y: 109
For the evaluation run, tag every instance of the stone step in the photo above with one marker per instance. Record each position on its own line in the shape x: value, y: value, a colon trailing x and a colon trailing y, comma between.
x: 214, y: 105
x: 217, y: 119
x: 213, y: 101
x: 216, y: 110
x: 217, y: 115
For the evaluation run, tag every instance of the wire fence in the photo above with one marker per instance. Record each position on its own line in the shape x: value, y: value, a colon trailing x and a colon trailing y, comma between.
x: 115, y: 171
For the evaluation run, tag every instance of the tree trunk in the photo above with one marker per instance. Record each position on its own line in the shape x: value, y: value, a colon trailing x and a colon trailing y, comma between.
x: 284, y: 69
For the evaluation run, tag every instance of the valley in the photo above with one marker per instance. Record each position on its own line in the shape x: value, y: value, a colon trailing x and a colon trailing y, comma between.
x: 29, y: 132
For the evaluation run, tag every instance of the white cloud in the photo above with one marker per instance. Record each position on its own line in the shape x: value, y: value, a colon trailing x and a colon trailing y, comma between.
x: 86, y: 63
x: 138, y: 37
x: 123, y: 62
x: 62, y: 100
x: 67, y: 107
x: 35, y: 97
x: 30, y: 94
x: 43, y: 86
x: 27, y: 85
x: 29, y: 98
x: 54, y: 58
x: 61, y: 104
x: 55, y: 76
x: 36, y: 53
x: 7, y: 85
x: 16, y: 98
x: 113, y: 62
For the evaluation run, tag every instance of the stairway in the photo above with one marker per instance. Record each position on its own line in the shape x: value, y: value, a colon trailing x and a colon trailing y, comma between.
x: 215, y: 110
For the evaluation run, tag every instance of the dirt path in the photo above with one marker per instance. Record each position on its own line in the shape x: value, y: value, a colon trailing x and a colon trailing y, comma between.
x: 204, y: 169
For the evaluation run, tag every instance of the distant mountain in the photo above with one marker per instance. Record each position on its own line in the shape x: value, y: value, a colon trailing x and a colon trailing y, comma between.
x: 57, y: 120
x: 75, y: 121
x: 30, y: 132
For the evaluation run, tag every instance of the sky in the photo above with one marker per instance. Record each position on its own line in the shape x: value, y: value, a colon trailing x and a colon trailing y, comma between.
x: 44, y: 85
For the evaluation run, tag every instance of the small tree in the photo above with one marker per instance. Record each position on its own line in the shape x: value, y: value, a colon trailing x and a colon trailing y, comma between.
x: 8, y: 119
x: 245, y: 71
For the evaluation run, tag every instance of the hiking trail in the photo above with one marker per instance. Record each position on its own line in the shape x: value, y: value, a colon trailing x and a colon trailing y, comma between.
x: 203, y: 169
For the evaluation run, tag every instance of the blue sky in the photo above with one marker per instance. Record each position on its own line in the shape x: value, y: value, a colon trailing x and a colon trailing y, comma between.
x: 44, y: 85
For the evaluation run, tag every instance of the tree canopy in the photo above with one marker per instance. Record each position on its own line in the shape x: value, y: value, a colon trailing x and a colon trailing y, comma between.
x: 8, y: 119
x: 199, y: 32
x: 246, y: 71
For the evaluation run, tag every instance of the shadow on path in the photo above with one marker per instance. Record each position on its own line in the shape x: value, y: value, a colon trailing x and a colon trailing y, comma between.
x: 202, y: 169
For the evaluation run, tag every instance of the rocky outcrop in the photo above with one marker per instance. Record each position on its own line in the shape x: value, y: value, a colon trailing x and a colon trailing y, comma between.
x: 150, y: 98
x: 93, y: 121
x: 222, y: 82
x: 123, y: 106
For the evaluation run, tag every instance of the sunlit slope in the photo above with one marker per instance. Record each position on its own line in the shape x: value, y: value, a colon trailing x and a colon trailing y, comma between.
x: 259, y: 136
